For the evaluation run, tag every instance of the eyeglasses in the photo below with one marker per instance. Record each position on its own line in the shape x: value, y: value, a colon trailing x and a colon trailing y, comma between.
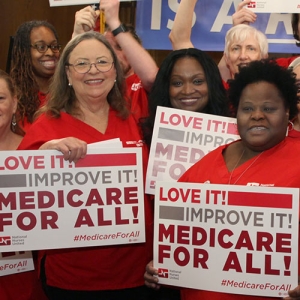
x: 43, y: 47
x: 83, y: 67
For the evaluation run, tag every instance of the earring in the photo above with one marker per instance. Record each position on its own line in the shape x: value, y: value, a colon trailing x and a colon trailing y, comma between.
x: 70, y: 84
x: 115, y: 80
x: 13, y: 122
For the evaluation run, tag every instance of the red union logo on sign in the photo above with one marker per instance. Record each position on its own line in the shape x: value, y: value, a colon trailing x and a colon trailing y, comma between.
x: 5, y: 240
x: 251, y: 5
x: 164, y: 273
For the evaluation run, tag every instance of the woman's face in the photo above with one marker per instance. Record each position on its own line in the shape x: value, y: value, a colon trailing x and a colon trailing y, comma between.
x: 43, y: 63
x: 93, y: 85
x: 240, y: 53
x: 188, y: 86
x: 262, y: 117
x: 8, y: 106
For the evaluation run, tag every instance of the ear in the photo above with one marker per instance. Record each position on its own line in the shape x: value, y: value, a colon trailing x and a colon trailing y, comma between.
x: 68, y: 74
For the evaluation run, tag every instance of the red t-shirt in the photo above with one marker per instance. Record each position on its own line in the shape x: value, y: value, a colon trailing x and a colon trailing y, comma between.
x: 278, y: 166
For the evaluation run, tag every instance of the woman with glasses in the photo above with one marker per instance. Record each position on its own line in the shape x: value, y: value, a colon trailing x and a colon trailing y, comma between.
x: 34, y: 59
x: 87, y: 105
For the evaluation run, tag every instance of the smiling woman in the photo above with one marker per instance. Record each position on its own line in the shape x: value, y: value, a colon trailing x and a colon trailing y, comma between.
x: 87, y: 103
x: 34, y: 59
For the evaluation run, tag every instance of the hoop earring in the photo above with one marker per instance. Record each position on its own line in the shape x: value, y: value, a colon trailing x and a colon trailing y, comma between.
x: 13, y: 123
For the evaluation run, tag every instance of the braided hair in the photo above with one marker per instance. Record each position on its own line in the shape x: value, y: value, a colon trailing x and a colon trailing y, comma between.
x: 22, y: 69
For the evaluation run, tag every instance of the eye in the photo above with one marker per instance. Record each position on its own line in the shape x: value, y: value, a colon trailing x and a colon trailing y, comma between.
x: 102, y: 62
x: 176, y: 83
x: 81, y: 63
x: 55, y: 47
x: 198, y: 81
x: 40, y: 47
x: 269, y: 109
x: 246, y: 108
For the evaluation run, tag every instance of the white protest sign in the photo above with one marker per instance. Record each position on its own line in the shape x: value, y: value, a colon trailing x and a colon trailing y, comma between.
x: 77, y: 2
x: 15, y: 262
x: 181, y: 138
x: 97, y: 201
x: 275, y: 6
x: 227, y: 238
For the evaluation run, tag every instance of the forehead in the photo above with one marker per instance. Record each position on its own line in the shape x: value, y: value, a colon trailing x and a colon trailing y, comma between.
x: 245, y: 39
x: 90, y: 49
x: 41, y: 33
x: 190, y: 64
x: 261, y: 90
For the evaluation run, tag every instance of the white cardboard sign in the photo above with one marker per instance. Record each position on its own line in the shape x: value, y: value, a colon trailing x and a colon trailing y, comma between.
x: 227, y: 238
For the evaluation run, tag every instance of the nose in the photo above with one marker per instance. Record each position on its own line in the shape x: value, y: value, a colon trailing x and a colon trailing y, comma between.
x: 93, y: 68
x: 243, y: 54
x: 257, y: 114
x: 187, y: 88
x: 49, y: 49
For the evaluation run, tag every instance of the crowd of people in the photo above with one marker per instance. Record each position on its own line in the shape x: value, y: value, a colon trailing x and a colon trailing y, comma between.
x: 107, y: 86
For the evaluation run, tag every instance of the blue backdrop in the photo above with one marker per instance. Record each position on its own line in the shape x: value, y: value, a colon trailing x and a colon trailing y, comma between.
x: 212, y: 18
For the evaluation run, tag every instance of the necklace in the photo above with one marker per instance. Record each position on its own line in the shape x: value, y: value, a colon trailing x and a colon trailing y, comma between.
x: 256, y: 158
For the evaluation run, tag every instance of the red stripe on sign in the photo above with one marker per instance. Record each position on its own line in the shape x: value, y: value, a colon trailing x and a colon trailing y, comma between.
x: 232, y: 128
x: 107, y: 160
x: 260, y: 200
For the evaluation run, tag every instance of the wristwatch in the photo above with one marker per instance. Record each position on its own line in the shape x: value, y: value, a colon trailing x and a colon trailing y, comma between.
x: 121, y: 28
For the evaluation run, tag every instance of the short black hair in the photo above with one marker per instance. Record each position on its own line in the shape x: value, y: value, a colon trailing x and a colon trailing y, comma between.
x: 268, y: 71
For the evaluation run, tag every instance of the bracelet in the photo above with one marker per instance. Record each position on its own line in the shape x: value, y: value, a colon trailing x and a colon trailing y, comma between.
x: 121, y: 28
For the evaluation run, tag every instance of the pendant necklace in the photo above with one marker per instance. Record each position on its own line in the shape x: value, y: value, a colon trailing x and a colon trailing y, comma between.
x: 257, y: 157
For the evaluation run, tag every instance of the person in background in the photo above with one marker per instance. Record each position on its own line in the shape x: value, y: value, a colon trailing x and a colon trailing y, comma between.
x: 188, y: 79
x: 87, y: 105
x: 138, y: 66
x: 246, y: 16
x: 242, y: 43
x: 21, y: 286
x: 265, y: 97
x: 294, y: 131
x: 34, y: 58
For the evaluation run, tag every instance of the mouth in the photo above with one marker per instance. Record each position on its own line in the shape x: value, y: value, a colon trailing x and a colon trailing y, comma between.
x: 49, y: 64
x: 257, y: 128
x: 242, y: 65
x: 189, y: 101
x: 93, y: 81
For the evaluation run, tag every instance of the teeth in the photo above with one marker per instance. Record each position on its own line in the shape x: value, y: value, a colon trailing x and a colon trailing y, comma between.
x: 188, y: 100
x: 258, y: 128
x: 48, y: 63
x: 94, y: 81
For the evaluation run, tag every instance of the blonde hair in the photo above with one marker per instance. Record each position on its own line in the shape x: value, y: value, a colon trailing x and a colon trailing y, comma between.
x: 241, y: 32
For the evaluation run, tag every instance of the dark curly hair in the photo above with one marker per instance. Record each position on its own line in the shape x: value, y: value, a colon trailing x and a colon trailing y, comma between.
x: 22, y: 69
x: 268, y: 71
x: 159, y: 95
